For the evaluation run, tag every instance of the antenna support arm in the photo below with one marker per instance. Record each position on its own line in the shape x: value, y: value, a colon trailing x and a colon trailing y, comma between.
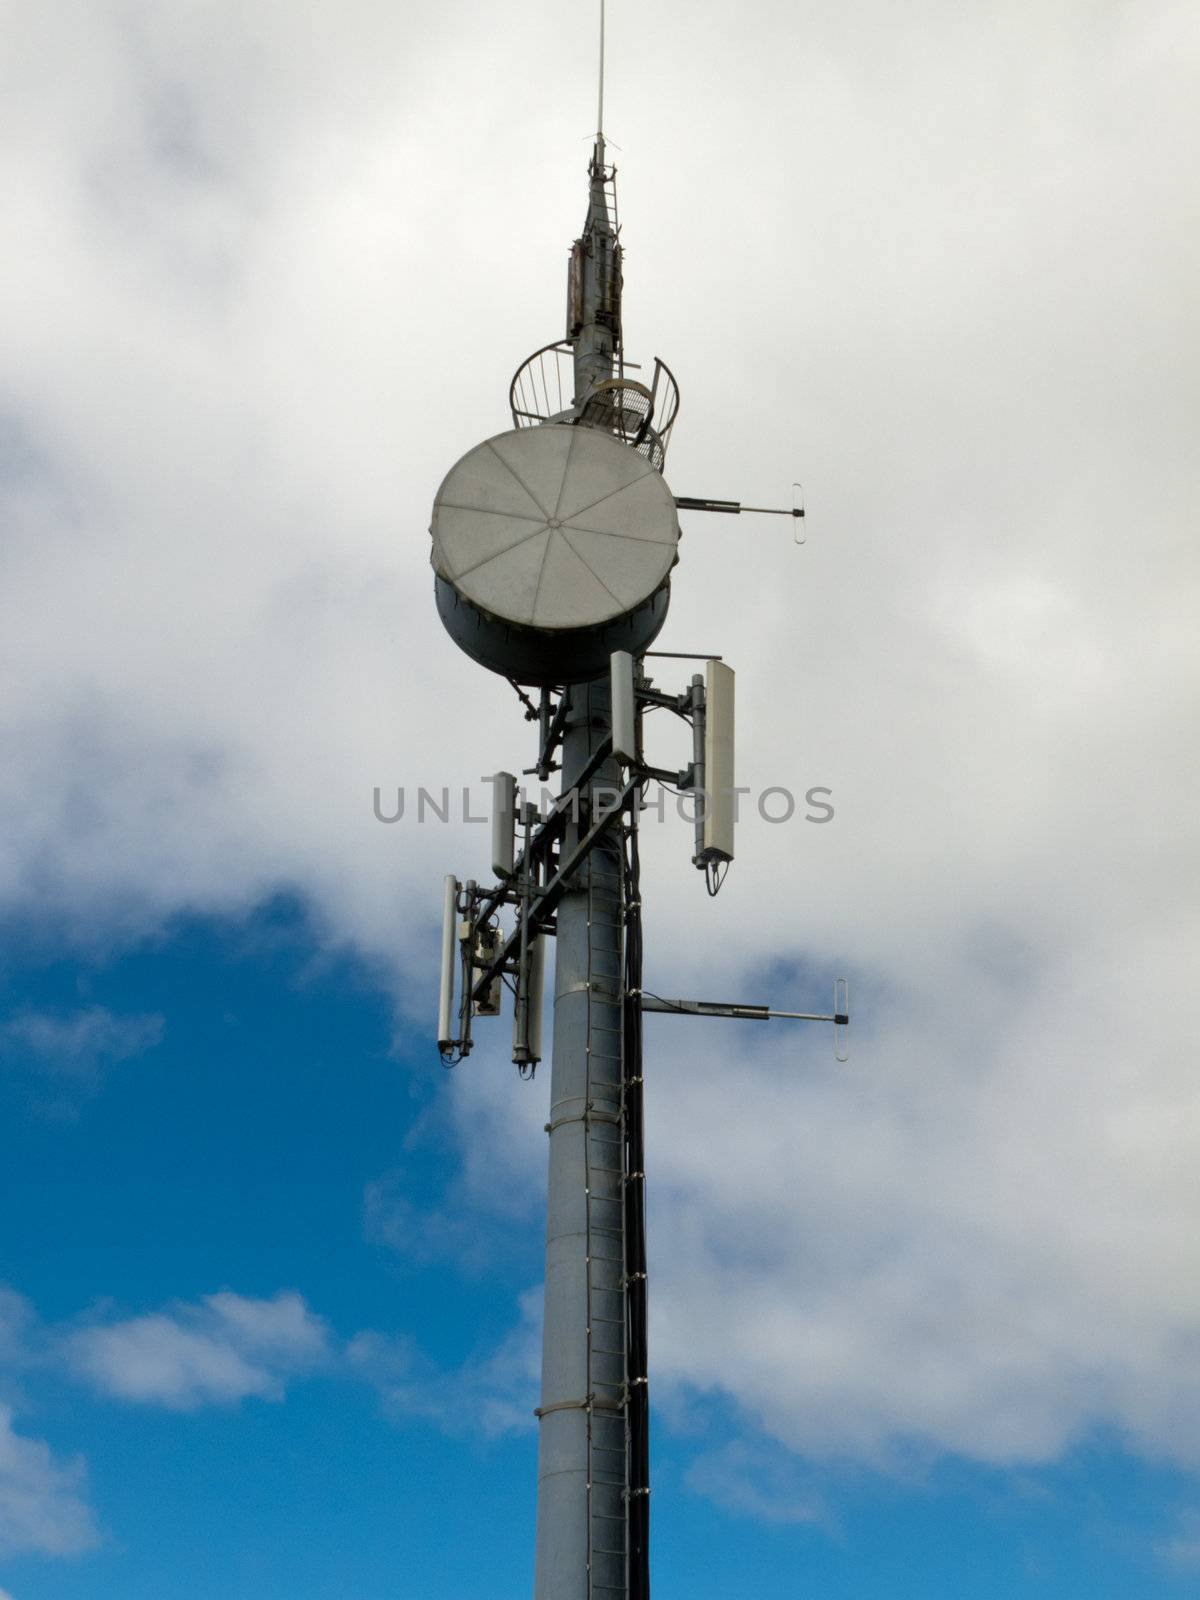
x: 734, y: 508
x: 745, y: 1013
x: 839, y: 1016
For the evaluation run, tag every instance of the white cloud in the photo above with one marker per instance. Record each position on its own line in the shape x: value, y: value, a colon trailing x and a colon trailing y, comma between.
x: 77, y: 1044
x: 16, y: 1316
x: 1182, y: 1548
x: 493, y: 1394
x: 223, y: 1350
x: 943, y: 274
x: 979, y: 1256
x: 62, y: 1058
x: 417, y: 1234
x: 756, y: 1483
x: 41, y: 1506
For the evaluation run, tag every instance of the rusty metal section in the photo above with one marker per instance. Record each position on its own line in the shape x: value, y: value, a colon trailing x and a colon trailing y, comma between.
x: 575, y: 266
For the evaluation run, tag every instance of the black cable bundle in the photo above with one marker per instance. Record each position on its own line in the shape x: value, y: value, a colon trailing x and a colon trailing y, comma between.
x: 635, y: 1231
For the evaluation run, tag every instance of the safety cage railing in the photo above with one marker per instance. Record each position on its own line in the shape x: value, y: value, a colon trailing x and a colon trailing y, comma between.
x: 639, y: 415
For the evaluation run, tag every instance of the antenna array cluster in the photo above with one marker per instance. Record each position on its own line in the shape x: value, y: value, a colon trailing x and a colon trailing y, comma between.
x: 553, y: 546
x: 533, y: 864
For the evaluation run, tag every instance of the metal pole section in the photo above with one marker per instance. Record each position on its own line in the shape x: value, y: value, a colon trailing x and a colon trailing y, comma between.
x: 598, y: 342
x: 582, y: 1454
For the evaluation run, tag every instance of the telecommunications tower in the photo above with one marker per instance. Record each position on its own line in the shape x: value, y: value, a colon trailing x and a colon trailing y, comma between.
x: 553, y: 546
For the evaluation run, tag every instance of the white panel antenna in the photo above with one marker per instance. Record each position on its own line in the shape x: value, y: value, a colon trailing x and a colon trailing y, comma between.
x: 504, y: 823
x: 624, y: 718
x: 536, y: 993
x: 531, y: 1045
x: 446, y: 994
x: 719, y: 798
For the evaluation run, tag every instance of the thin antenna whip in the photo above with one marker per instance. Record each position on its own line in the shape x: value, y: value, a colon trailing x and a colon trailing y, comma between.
x: 600, y: 105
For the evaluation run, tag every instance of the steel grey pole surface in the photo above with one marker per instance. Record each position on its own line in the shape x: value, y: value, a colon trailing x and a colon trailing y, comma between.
x: 581, y: 1512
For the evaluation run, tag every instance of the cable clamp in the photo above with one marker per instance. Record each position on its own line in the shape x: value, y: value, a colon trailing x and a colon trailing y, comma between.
x: 589, y: 1404
x: 590, y: 1115
x: 564, y: 1405
x: 586, y: 987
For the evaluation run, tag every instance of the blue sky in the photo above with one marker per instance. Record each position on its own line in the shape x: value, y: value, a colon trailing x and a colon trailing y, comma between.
x: 924, y: 1324
x: 234, y: 1155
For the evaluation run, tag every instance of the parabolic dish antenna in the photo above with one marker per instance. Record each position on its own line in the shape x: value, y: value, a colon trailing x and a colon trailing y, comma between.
x: 552, y: 547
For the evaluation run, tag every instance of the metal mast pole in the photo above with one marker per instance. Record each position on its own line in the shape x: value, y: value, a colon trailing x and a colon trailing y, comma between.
x: 552, y: 548
x: 586, y: 1453
x: 582, y: 1551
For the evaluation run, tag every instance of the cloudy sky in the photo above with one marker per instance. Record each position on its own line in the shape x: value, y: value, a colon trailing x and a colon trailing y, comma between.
x: 924, y: 1324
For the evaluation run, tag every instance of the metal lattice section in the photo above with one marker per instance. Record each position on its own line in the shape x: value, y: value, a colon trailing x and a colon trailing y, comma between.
x: 621, y: 407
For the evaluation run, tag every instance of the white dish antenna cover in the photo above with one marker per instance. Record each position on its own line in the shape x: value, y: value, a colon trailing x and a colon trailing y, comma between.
x: 554, y: 528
